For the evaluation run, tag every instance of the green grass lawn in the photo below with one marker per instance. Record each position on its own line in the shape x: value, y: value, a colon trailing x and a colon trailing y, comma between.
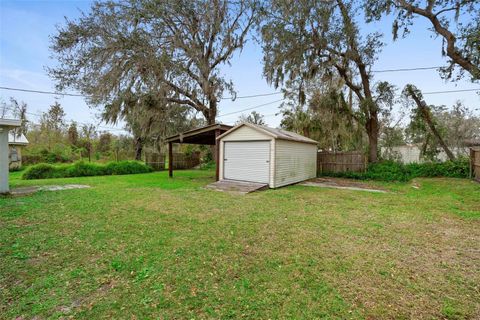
x: 146, y: 246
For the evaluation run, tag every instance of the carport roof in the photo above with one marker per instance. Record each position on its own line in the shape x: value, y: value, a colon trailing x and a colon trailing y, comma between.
x: 204, y: 135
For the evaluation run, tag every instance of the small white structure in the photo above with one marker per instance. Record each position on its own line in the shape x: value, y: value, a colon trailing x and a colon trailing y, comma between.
x: 16, y: 143
x: 265, y: 155
x: 5, y: 126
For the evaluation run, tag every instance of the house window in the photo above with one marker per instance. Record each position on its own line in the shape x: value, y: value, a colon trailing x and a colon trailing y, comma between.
x: 13, y: 154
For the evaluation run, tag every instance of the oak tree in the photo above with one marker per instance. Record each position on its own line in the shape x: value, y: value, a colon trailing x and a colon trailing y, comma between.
x: 317, y: 40
x: 173, y: 49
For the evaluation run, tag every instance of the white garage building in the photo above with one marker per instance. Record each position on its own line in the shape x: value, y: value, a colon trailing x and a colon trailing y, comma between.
x: 265, y: 155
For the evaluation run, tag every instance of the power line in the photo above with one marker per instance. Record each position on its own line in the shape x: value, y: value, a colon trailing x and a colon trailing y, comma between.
x: 44, y: 92
x: 406, y: 69
x: 253, y: 96
x: 250, y: 108
x: 450, y: 91
x: 86, y: 96
x: 223, y: 98
x: 71, y: 121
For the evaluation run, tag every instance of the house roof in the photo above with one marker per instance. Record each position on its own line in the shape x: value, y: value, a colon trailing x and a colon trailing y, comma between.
x: 10, y: 123
x: 273, y: 132
x: 472, y: 142
x: 204, y: 135
x: 15, y: 140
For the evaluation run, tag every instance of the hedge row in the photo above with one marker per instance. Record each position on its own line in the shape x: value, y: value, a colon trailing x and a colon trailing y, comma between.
x: 83, y: 169
x: 394, y: 171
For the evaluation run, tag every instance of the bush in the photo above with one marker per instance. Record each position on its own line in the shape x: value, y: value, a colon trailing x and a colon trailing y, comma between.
x: 61, y: 154
x: 395, y: 171
x: 16, y: 169
x: 127, y: 167
x: 84, y: 169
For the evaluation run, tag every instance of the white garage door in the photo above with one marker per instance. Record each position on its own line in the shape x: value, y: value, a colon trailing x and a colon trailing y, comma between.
x: 247, y: 161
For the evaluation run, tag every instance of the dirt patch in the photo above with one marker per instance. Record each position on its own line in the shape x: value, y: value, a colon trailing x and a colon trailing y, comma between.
x: 339, y: 183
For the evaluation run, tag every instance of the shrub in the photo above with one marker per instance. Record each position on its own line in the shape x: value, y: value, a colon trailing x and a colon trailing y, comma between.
x: 126, y: 167
x: 84, y: 169
x: 16, y: 169
x: 395, y: 171
x: 61, y: 154
x: 41, y: 171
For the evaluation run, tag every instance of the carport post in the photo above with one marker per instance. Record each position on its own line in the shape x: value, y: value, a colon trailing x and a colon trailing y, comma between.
x: 4, y: 160
x: 5, y: 126
x: 170, y: 160
x: 217, y: 155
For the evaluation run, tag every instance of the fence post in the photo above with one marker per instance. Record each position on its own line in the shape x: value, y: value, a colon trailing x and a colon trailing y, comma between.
x: 170, y: 160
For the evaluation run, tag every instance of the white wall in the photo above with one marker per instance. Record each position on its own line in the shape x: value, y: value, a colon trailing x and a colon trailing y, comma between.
x: 246, y: 133
x: 411, y: 153
x: 4, y: 160
x: 294, y: 162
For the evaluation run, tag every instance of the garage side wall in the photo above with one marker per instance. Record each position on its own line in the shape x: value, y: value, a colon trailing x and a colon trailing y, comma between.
x: 294, y: 162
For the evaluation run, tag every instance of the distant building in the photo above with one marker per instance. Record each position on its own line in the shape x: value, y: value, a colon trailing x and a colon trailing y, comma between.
x: 411, y: 153
x: 15, y: 145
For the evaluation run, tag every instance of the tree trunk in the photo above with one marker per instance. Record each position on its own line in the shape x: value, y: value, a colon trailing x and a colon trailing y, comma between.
x: 372, y: 133
x: 211, y: 113
x: 138, y: 149
x: 427, y: 117
x: 211, y: 119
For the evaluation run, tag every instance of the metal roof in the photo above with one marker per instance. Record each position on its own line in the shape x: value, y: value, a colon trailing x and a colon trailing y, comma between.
x: 203, y: 135
x: 275, y: 133
x: 11, y: 123
x: 13, y: 139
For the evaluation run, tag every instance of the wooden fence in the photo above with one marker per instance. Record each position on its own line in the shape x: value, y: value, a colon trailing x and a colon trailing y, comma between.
x: 353, y: 161
x: 155, y: 160
x: 180, y: 160
x: 475, y: 163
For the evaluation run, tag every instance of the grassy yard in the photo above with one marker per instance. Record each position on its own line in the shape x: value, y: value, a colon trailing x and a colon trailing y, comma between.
x: 146, y: 246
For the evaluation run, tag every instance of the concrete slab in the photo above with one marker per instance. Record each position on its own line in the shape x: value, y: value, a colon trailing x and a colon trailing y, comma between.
x: 238, y: 187
x: 25, y: 191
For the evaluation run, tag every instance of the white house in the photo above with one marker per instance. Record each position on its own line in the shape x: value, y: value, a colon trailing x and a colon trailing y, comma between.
x: 15, y: 146
x: 265, y: 155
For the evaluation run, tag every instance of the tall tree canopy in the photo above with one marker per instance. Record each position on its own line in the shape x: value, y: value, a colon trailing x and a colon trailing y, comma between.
x: 320, y: 40
x: 173, y: 49
x: 457, y: 22
x: 254, y: 117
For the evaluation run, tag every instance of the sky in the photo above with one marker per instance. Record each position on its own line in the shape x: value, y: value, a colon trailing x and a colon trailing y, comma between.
x: 26, y: 27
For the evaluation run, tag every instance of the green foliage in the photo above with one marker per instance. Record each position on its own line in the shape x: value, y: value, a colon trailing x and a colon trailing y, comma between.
x: 16, y: 169
x: 60, y: 154
x: 44, y: 171
x: 84, y: 169
x: 126, y: 167
x: 395, y: 171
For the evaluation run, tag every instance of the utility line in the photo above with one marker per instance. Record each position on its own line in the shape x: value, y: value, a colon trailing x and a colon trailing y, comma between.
x: 85, y: 96
x: 406, y: 69
x: 250, y: 108
x: 449, y: 91
x: 70, y: 121
x: 223, y: 98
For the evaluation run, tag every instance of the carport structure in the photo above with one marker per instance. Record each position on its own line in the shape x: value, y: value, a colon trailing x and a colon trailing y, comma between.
x: 204, y: 135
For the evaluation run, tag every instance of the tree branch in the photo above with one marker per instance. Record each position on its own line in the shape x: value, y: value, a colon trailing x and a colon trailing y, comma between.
x: 452, y: 52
